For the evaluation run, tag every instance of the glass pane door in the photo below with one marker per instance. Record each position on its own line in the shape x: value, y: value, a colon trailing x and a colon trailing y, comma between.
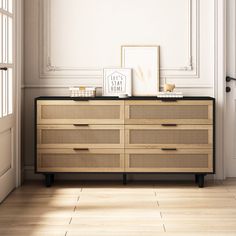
x: 7, y: 83
x: 6, y: 58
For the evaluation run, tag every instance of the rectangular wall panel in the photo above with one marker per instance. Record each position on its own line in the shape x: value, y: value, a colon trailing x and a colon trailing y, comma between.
x: 6, y: 151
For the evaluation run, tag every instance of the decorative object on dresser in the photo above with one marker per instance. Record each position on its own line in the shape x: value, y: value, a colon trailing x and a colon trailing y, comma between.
x: 82, y: 91
x: 144, y: 60
x: 169, y: 87
x: 117, y: 82
x: 132, y: 135
x: 170, y: 94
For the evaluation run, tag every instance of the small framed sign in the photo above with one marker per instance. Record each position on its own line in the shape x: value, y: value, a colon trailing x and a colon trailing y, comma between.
x: 117, y: 82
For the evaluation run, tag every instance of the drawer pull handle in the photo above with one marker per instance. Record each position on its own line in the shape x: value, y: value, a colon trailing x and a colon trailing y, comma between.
x: 81, y: 99
x: 169, y: 149
x: 81, y: 125
x: 169, y: 100
x: 168, y: 125
x: 80, y: 149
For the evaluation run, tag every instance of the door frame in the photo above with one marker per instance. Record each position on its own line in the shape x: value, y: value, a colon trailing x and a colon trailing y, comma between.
x: 230, y: 71
x: 19, y: 5
x: 219, y: 85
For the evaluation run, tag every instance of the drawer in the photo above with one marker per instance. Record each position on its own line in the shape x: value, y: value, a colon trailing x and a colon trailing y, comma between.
x: 161, y: 136
x: 80, y: 136
x: 80, y: 112
x: 80, y: 160
x: 179, y: 160
x: 160, y: 112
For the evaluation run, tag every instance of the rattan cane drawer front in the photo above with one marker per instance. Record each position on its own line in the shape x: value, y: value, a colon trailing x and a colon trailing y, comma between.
x: 70, y: 136
x: 79, y: 160
x: 157, y: 136
x: 159, y: 112
x: 80, y: 112
x: 179, y: 160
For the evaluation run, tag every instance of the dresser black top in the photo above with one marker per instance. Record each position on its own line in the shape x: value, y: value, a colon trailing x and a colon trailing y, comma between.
x: 117, y: 98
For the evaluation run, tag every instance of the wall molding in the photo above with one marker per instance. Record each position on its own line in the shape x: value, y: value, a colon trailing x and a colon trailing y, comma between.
x: 48, y: 69
x: 35, y: 86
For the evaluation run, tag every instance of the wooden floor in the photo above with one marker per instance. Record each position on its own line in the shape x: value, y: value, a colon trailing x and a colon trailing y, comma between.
x: 74, y: 209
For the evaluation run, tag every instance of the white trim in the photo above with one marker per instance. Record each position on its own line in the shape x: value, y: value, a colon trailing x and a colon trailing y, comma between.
x: 6, y: 12
x: 29, y: 173
x: 7, y: 65
x: 40, y: 86
x: 219, y: 90
x: 37, y: 86
x: 229, y: 116
x: 48, y: 68
x: 18, y: 74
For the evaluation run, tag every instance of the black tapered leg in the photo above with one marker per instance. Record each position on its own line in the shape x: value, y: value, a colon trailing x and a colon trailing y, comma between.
x: 196, y: 178
x: 201, y: 181
x: 124, y: 179
x: 53, y: 178
x: 48, y: 180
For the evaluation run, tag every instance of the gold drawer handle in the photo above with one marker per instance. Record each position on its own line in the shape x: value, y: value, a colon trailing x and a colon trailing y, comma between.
x: 169, y: 125
x: 81, y: 125
x: 80, y: 149
x: 169, y: 149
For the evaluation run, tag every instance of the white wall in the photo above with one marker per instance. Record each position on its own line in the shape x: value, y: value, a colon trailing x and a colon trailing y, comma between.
x: 68, y: 42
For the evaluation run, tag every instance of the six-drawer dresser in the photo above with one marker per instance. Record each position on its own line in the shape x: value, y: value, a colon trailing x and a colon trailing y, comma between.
x: 132, y: 135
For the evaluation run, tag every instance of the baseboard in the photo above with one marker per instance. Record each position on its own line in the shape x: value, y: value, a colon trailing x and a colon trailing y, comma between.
x: 29, y: 174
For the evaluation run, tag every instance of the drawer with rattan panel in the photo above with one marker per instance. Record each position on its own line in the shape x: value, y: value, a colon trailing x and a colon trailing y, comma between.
x: 80, y: 112
x: 159, y: 136
x: 74, y: 136
x: 80, y: 160
x: 169, y: 160
x: 177, y: 112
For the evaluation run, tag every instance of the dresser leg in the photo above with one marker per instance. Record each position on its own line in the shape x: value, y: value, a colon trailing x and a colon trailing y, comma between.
x: 52, y: 176
x: 124, y: 179
x: 196, y: 178
x: 201, y: 180
x: 49, y: 180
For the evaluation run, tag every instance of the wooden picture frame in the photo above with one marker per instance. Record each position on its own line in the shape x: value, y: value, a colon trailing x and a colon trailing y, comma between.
x: 144, y: 60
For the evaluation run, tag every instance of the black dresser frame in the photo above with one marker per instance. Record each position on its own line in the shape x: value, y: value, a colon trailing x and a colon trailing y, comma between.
x: 49, y: 177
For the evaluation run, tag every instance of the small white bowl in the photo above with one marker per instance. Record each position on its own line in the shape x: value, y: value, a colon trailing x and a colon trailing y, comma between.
x: 123, y: 95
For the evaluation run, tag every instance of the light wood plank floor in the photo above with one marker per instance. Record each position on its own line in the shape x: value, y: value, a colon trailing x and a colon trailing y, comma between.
x: 80, y: 209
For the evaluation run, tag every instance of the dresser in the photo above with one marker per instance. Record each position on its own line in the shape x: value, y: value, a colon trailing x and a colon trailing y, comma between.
x: 132, y: 135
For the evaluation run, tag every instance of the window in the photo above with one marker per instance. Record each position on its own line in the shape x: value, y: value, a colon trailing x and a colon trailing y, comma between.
x: 6, y: 58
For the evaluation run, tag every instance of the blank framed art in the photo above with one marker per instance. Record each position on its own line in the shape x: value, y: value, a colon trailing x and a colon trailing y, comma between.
x: 145, y: 62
